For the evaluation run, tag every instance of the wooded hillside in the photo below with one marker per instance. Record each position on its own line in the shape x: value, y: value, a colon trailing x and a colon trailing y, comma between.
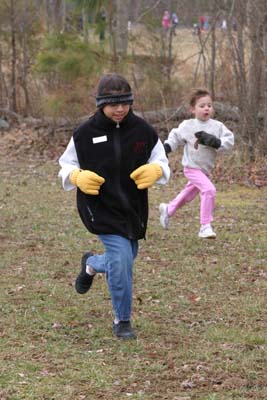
x: 52, y: 53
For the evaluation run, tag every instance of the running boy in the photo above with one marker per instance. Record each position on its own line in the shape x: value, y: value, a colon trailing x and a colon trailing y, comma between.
x: 202, y: 138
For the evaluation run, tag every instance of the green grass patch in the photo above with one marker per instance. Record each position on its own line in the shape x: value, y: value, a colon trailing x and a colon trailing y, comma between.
x: 199, y: 306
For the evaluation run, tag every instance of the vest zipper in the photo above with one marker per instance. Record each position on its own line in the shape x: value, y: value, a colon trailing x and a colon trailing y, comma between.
x: 124, y: 200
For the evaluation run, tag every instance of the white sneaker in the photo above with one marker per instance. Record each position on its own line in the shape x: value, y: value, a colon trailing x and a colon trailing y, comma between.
x: 206, y: 232
x: 164, y: 217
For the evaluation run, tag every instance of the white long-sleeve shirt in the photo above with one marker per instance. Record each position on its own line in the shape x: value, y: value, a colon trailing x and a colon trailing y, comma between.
x: 204, y: 156
x: 69, y: 162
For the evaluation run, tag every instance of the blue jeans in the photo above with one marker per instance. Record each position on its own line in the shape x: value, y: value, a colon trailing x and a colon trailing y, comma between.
x: 117, y: 263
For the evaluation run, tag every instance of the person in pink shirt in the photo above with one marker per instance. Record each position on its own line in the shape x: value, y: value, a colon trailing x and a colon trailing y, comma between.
x: 166, y: 21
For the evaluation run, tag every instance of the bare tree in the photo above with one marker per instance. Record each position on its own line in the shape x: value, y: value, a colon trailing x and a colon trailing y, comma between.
x: 265, y: 80
x: 134, y: 11
x: 55, y: 15
x: 215, y: 16
x: 122, y: 17
x: 14, y: 55
x: 19, y: 39
x: 2, y: 82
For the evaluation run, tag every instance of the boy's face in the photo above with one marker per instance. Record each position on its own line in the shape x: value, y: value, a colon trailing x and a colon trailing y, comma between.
x: 116, y: 112
x: 203, y: 109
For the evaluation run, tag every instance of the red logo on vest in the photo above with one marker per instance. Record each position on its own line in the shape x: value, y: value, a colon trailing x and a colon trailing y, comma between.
x: 139, y: 147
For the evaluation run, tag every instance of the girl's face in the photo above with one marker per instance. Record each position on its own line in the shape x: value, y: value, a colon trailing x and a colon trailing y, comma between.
x: 116, y: 112
x: 203, y: 109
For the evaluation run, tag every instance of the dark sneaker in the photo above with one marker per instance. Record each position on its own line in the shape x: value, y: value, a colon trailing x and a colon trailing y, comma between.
x: 84, y: 281
x: 124, y: 330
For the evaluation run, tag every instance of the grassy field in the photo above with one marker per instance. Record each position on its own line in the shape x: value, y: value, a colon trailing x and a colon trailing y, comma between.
x: 199, y: 306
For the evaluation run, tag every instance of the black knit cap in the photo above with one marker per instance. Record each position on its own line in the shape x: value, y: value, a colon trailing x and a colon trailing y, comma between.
x: 113, y: 89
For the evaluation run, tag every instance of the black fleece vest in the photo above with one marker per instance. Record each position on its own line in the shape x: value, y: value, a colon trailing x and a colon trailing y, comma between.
x: 114, y: 153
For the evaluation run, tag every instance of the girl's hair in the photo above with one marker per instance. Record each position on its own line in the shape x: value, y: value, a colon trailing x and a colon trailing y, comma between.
x: 113, y: 89
x: 197, y: 94
x: 112, y: 84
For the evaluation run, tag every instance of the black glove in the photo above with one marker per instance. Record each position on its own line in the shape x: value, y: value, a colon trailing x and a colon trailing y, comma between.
x: 167, y: 148
x: 208, y: 140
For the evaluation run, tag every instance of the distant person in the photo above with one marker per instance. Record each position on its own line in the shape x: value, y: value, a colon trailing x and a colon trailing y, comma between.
x: 175, y: 22
x: 206, y: 23
x: 203, y: 138
x: 112, y: 159
x: 196, y: 29
x: 234, y: 25
x: 224, y: 25
x: 202, y: 20
x: 166, y: 22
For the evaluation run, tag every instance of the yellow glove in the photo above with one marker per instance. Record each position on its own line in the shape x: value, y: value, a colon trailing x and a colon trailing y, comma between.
x: 146, y: 175
x: 87, y: 181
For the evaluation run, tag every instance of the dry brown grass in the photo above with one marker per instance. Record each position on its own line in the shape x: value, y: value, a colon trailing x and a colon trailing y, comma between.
x: 199, y: 307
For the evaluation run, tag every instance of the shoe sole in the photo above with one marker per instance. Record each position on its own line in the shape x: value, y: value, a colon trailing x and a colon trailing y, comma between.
x: 125, y: 337
x: 207, y: 237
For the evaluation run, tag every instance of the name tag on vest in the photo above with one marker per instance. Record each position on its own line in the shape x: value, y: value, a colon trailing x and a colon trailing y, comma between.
x: 100, y: 139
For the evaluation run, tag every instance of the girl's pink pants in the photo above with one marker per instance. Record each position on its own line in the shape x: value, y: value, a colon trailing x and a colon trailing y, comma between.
x: 198, y: 182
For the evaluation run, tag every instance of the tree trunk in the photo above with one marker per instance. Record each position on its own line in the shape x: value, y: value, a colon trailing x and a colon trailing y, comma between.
x: 14, y: 56
x: 1, y: 80
x: 122, y: 16
x: 265, y: 85
x: 85, y: 24
x: 63, y: 16
x: 135, y: 7
x: 24, y: 74
x: 54, y: 15
x: 213, y: 51
x: 112, y: 38
x: 46, y: 15
x: 255, y: 73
